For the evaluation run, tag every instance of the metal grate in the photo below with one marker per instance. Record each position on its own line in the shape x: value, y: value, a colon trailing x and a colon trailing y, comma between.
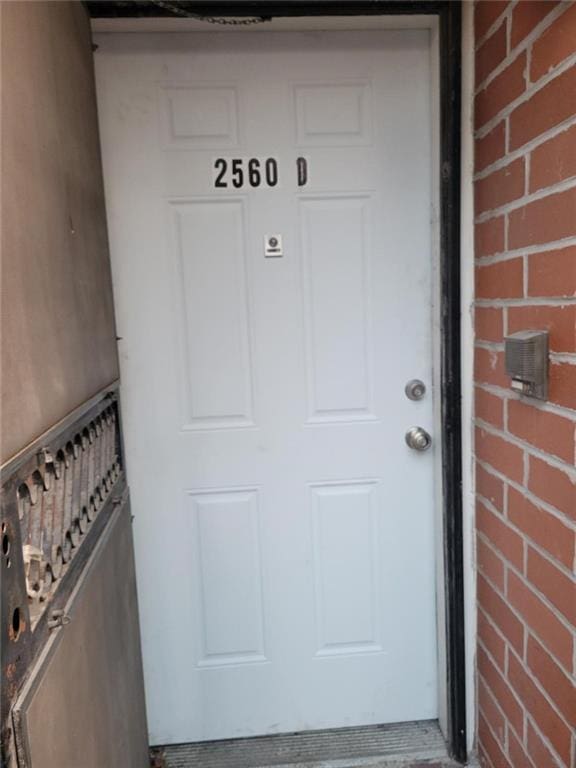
x: 55, y: 499
x: 382, y: 746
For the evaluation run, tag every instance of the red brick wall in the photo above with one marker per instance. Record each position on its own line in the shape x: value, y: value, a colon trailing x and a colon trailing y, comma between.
x: 525, y: 242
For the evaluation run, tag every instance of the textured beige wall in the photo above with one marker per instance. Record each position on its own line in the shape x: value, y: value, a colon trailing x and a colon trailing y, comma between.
x: 57, y: 332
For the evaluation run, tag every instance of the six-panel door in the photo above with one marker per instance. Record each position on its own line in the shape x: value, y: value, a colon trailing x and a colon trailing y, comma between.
x: 269, y: 200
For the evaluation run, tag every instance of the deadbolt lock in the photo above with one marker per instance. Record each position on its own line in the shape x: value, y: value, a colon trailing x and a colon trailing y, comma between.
x: 415, y: 389
x: 418, y: 439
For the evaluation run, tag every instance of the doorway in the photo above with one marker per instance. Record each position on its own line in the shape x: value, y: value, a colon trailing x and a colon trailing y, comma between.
x: 273, y: 198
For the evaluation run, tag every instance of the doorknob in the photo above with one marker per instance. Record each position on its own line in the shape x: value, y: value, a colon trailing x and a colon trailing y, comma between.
x: 418, y: 439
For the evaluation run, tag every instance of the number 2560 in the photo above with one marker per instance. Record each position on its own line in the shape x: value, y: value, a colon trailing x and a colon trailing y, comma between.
x: 240, y: 172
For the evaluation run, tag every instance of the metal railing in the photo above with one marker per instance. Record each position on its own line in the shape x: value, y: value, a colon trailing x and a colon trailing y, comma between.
x: 56, y: 497
x: 59, y: 501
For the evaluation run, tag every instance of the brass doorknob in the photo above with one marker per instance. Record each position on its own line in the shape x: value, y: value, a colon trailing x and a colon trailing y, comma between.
x: 418, y: 439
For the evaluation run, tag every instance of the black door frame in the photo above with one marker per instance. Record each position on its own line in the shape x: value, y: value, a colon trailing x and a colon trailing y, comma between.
x: 449, y: 14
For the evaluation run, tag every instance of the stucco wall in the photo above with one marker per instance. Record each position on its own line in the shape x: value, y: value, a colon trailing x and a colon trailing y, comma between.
x: 57, y: 332
x: 525, y: 200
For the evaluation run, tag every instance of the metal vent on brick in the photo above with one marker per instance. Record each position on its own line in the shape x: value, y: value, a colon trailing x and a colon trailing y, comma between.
x: 526, y: 360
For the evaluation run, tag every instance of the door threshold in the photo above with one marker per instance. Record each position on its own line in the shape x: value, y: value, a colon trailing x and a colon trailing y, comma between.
x: 399, y: 745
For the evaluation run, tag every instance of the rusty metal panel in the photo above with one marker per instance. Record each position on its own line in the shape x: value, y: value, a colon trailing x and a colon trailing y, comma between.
x: 83, y: 703
x: 55, y: 500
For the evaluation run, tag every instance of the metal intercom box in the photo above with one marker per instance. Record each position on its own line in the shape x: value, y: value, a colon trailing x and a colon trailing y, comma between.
x: 526, y: 359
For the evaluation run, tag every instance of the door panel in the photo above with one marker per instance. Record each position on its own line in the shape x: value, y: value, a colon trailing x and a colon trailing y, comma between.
x: 284, y: 530
x: 346, y: 577
x: 335, y: 261
x: 209, y: 237
x: 232, y: 620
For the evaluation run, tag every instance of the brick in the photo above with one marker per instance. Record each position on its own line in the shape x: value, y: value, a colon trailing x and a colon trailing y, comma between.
x: 553, y: 486
x: 546, y: 108
x: 559, y: 321
x: 485, y: 14
x: 554, y: 45
x: 491, y: 639
x: 483, y: 758
x: 491, y: 53
x: 491, y: 712
x: 543, y: 221
x: 554, y: 680
x: 488, y: 324
x: 501, y: 536
x: 558, y: 588
x: 541, y: 620
x: 489, y: 367
x: 503, y: 280
x: 490, y: 147
x: 500, y: 92
x: 489, y: 563
x: 547, y: 719
x: 526, y: 16
x: 518, y: 756
x: 545, y: 530
x: 499, y: 612
x: 490, y: 487
x: 489, y: 237
x: 554, y: 160
x: 489, y: 408
x: 562, y: 389
x: 499, y: 453
x: 541, y: 754
x: 547, y: 431
x: 552, y: 273
x: 501, y: 689
x: 495, y: 754
x: 500, y: 187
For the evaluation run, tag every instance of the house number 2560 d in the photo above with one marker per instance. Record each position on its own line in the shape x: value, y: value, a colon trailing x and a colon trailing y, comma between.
x: 241, y: 172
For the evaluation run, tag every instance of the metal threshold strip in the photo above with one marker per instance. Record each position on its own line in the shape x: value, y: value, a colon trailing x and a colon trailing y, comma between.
x: 401, y: 745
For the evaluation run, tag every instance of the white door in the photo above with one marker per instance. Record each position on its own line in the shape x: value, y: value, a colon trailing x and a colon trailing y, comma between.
x: 284, y: 529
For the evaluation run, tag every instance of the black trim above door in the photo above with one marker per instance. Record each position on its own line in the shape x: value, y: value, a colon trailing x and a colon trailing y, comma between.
x: 449, y: 16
